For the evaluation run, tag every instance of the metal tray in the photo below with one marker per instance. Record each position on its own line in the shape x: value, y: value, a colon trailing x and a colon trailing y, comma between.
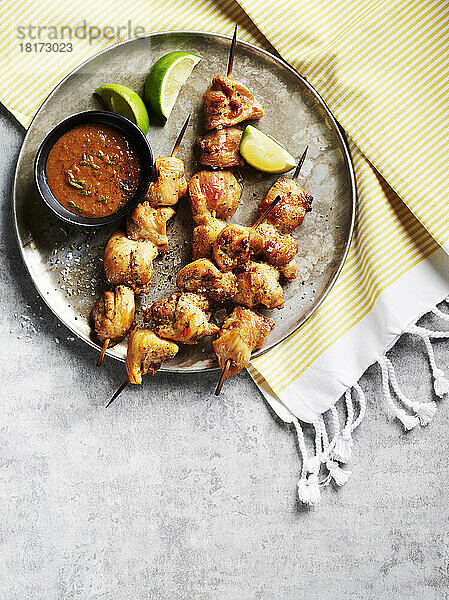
x: 65, y: 262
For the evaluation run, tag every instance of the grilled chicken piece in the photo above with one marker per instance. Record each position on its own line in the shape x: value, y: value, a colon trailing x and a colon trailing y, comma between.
x: 150, y: 224
x: 146, y: 353
x: 204, y: 236
x: 170, y: 184
x: 129, y: 262
x: 113, y: 314
x: 291, y: 209
x: 183, y: 318
x: 242, y: 332
x: 290, y: 271
x: 220, y: 148
x: 277, y: 249
x: 258, y: 285
x: 229, y: 102
x: 214, y: 194
x: 235, y: 245
x: 203, y: 277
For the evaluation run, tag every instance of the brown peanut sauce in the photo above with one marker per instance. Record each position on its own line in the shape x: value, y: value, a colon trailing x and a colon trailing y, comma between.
x: 92, y: 170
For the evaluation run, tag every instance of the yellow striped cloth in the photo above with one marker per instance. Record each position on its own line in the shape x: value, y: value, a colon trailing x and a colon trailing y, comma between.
x: 381, y: 67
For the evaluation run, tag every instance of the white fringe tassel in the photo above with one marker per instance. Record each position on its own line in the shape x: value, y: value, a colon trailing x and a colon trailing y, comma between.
x: 308, y: 489
x: 440, y: 383
x: 342, y: 450
x: 327, y: 452
x: 424, y: 411
x: 408, y: 421
x: 331, y: 454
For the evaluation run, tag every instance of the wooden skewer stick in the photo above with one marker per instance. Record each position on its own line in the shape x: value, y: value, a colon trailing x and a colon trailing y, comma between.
x: 232, y: 52
x: 103, y: 352
x: 300, y: 163
x: 180, y: 136
x: 265, y: 214
x: 118, y: 392
x: 223, y: 376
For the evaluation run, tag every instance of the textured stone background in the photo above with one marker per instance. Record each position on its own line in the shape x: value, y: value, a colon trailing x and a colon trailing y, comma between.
x: 175, y: 494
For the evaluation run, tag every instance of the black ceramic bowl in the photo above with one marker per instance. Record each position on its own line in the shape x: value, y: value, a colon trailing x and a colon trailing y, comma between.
x: 129, y: 130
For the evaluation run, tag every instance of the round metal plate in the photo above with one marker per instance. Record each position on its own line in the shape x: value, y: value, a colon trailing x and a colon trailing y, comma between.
x: 65, y: 262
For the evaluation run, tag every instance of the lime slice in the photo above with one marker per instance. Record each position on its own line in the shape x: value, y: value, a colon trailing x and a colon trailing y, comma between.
x: 165, y: 80
x: 264, y: 153
x: 124, y: 101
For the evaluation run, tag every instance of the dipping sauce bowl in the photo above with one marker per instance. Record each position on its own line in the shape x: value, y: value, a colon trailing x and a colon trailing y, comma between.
x: 93, y: 168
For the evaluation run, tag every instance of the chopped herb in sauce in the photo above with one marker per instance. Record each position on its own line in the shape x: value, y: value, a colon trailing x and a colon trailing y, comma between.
x: 75, y: 206
x: 72, y: 182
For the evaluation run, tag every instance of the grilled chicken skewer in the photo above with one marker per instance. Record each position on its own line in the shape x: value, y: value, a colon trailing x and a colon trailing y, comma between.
x: 270, y: 236
x: 146, y: 353
x: 229, y: 102
x: 113, y: 316
x: 180, y: 318
x: 170, y: 184
x: 214, y: 198
x: 242, y: 332
x: 295, y: 202
x: 257, y: 283
x: 128, y: 258
x: 279, y: 247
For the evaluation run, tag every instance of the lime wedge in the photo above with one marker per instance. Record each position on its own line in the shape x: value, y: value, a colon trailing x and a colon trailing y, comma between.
x: 165, y: 80
x: 264, y: 153
x: 124, y: 101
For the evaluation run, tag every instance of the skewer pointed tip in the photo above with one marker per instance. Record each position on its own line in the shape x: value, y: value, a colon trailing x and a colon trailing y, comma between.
x: 223, y: 377
x: 118, y: 392
x: 300, y: 163
x: 103, y: 352
x: 180, y: 136
x: 232, y: 52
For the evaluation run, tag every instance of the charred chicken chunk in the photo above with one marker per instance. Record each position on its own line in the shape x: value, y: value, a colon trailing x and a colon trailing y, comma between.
x: 290, y: 271
x: 291, y: 209
x: 258, y: 285
x: 170, y: 184
x: 220, y: 148
x: 129, y: 262
x: 113, y: 314
x: 203, y: 277
x: 229, y: 102
x: 204, y: 236
x: 242, y: 332
x: 146, y: 353
x: 277, y: 249
x: 214, y: 194
x: 235, y: 245
x: 183, y: 318
x: 150, y: 224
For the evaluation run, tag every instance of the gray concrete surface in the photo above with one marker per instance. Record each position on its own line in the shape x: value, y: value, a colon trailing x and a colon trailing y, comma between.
x: 175, y: 494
